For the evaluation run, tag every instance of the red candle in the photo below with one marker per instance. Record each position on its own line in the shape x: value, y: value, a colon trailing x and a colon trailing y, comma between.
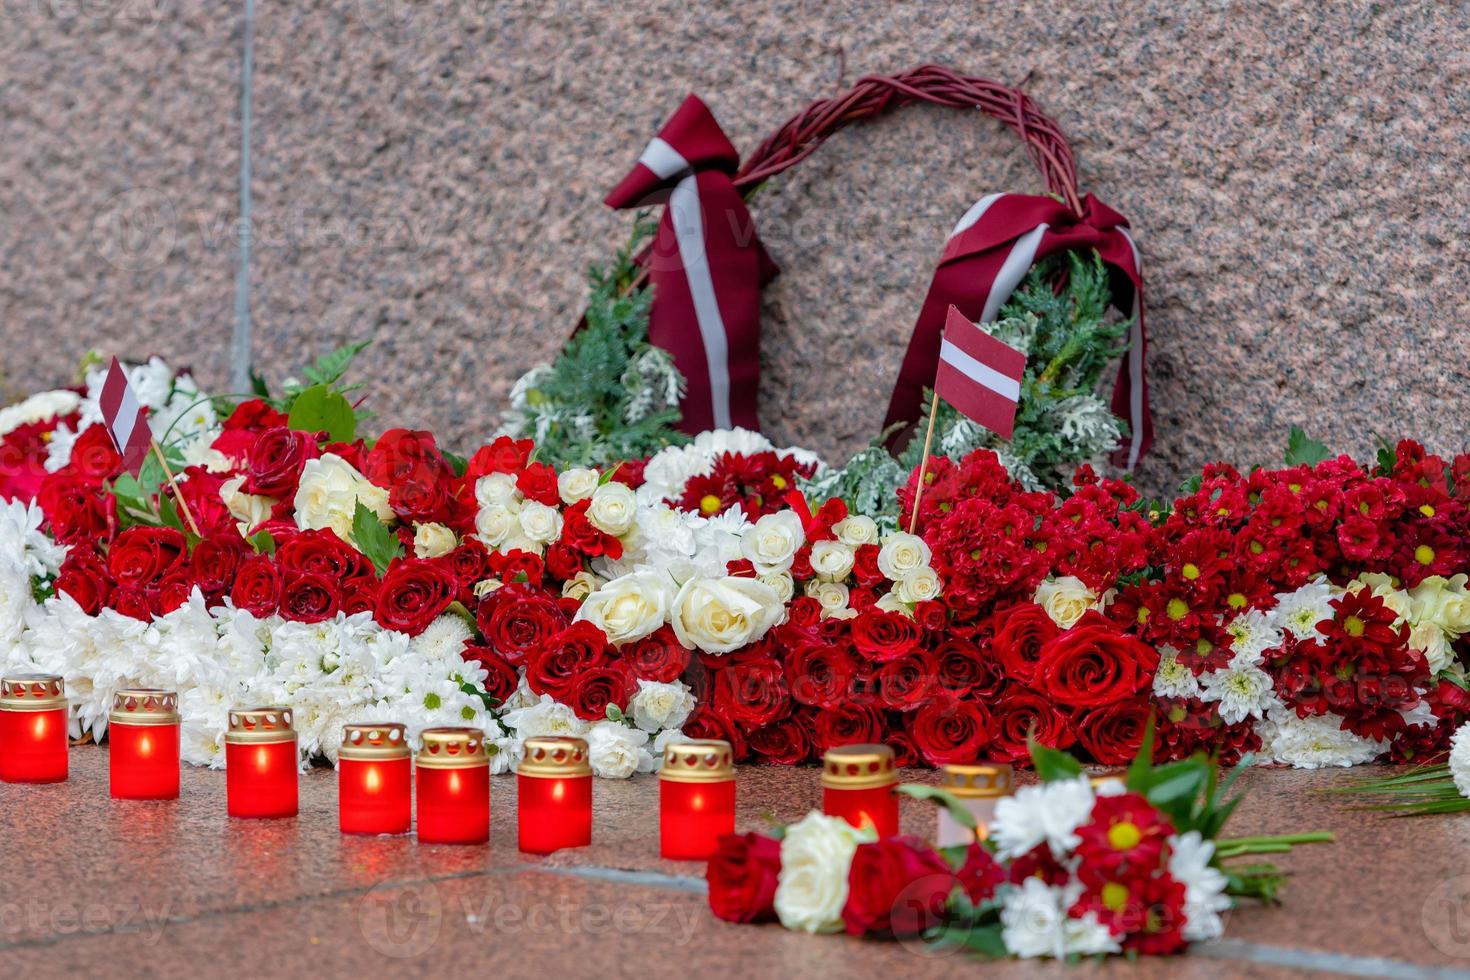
x: 453, y: 787
x: 143, y: 739
x: 33, y: 721
x: 857, y: 785
x: 554, y: 808
x: 696, y: 788
x: 374, y: 780
x: 260, y: 763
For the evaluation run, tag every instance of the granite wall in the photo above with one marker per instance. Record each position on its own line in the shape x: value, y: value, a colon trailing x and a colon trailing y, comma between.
x: 428, y: 173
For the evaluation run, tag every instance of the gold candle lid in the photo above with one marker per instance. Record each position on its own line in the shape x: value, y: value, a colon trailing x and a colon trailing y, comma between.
x: 1105, y: 778
x: 255, y: 725
x: 453, y: 748
x: 555, y: 756
x: 698, y: 760
x: 977, y: 782
x: 858, y: 767
x: 32, y: 692
x: 374, y: 741
x: 144, y: 706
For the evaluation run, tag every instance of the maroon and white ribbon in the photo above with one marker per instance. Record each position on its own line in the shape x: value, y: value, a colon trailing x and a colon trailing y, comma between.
x: 989, y: 252
x: 706, y: 267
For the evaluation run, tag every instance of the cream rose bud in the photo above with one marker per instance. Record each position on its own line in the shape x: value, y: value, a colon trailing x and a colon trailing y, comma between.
x: 433, y: 541
x: 249, y: 509
x: 576, y: 484
x: 831, y: 560
x: 539, y: 522
x: 891, y: 602
x: 630, y: 607
x: 486, y: 586
x: 720, y: 615
x: 581, y: 585
x: 773, y: 541
x: 328, y: 493
x: 495, y: 524
x: 496, y: 488
x: 1065, y: 600
x: 832, y: 596
x: 613, y: 510
x: 902, y: 553
x: 782, y: 582
x: 856, y: 530
x: 659, y: 706
x: 816, y: 855
x: 920, y: 585
x: 616, y: 751
x: 1444, y: 602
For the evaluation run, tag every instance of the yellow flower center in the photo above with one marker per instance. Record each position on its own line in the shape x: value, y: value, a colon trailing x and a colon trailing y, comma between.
x: 1354, y: 626
x: 1424, y: 554
x: 1236, y: 600
x: 1143, y: 614
x: 709, y: 504
x: 1190, y: 571
x: 1177, y: 609
x: 779, y: 482
x: 1114, y: 896
x: 1124, y: 836
x: 1203, y: 647
x: 1427, y: 510
x: 1257, y: 547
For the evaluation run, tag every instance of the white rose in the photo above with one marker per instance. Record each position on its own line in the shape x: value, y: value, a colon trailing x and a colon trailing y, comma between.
x: 920, y: 585
x: 629, y: 608
x: 539, y: 522
x: 328, y: 494
x: 902, y: 553
x: 816, y: 855
x: 497, y: 488
x: 616, y: 751
x: 576, y: 484
x: 1066, y: 599
x: 833, y: 596
x: 581, y: 585
x: 249, y: 509
x: 719, y: 615
x: 659, y: 706
x: 1444, y: 602
x: 486, y: 586
x: 891, y: 602
x: 782, y: 582
x: 856, y: 530
x: 613, y: 509
x: 772, y: 542
x: 495, y: 523
x: 831, y: 560
x: 519, y: 542
x: 433, y: 540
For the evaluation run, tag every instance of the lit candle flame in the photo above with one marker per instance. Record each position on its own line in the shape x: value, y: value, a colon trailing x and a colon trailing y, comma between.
x: 373, y: 780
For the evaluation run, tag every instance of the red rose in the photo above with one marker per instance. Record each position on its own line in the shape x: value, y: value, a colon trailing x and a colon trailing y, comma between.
x: 555, y: 666
x: 563, y: 561
x: 469, y: 563
x: 174, y: 590
x: 134, y: 602
x: 254, y: 414
x: 76, y: 511
x: 1113, y: 735
x: 882, y: 636
x: 274, y: 466
x: 804, y: 612
x: 360, y: 594
x: 896, y: 887
x: 849, y: 724
x: 909, y: 681
x: 580, y: 533
x: 413, y: 594
x: 931, y: 615
x: 141, y: 556
x: 742, y: 876
x: 960, y: 669
x: 784, y: 743
x: 865, y: 566
x: 950, y: 731
x: 84, y: 577
x: 94, y: 459
x: 1021, y: 712
x: 215, y: 561
x: 629, y: 473
x: 502, y: 679
x: 418, y: 501
x: 257, y: 588
x: 538, y: 482
x: 404, y: 456
x: 518, y: 618
x: 658, y: 657
x: 819, y: 674
x: 708, y: 722
x: 322, y: 553
x: 1093, y: 664
x: 1020, y: 633
x: 518, y: 566
x: 308, y: 598
x: 504, y: 455
x: 752, y: 693
x: 897, y: 738
x: 593, y: 690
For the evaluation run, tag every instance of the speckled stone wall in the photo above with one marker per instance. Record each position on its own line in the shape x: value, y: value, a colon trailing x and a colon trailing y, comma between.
x: 429, y: 174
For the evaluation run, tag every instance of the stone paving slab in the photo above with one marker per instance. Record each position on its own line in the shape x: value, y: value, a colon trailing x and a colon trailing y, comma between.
x: 184, y: 888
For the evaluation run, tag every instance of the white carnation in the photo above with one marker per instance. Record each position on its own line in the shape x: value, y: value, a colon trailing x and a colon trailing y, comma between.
x: 617, y: 751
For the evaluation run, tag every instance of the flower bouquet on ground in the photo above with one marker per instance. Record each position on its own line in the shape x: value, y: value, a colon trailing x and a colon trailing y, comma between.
x: 1070, y: 867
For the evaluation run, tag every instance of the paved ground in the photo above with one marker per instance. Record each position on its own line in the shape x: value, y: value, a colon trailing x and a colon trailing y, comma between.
x: 91, y: 887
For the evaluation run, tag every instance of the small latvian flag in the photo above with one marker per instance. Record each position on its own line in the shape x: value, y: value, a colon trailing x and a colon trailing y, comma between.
x: 979, y: 375
x: 126, y: 420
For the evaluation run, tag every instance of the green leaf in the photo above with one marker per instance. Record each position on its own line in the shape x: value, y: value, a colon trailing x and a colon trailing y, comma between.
x: 1140, y: 770
x: 944, y: 798
x: 614, y: 713
x: 457, y: 463
x: 258, y: 387
x: 330, y: 367
x: 263, y: 543
x: 1052, y: 764
x: 168, y: 513
x: 379, y: 545
x: 1301, y: 451
x: 320, y: 409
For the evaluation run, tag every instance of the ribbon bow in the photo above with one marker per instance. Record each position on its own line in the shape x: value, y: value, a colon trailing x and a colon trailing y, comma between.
x: 706, y: 266
x: 988, y: 254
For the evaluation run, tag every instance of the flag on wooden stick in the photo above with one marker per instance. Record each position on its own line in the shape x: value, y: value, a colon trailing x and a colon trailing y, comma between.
x: 126, y: 419
x: 979, y: 375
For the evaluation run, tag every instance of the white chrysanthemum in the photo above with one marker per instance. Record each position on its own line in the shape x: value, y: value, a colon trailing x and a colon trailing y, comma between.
x: 1315, y: 742
x: 1047, y: 813
x: 659, y: 706
x: 23, y: 541
x: 811, y: 888
x: 442, y: 640
x: 1252, y: 633
x: 1299, y: 612
x: 41, y: 407
x: 1035, y: 922
x: 1173, y: 679
x: 1204, y: 886
x: 1460, y: 759
x: 544, y: 717
x: 1242, y: 689
x: 16, y: 600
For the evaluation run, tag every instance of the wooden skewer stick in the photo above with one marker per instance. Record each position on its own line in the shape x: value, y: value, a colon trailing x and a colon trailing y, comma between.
x: 174, y: 485
x: 924, y: 465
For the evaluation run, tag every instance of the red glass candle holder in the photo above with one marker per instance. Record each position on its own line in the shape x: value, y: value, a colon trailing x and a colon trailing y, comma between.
x: 374, y: 780
x: 857, y: 785
x: 554, y: 808
x: 260, y: 763
x: 33, y: 722
x: 143, y: 745
x: 453, y: 781
x: 696, y: 788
